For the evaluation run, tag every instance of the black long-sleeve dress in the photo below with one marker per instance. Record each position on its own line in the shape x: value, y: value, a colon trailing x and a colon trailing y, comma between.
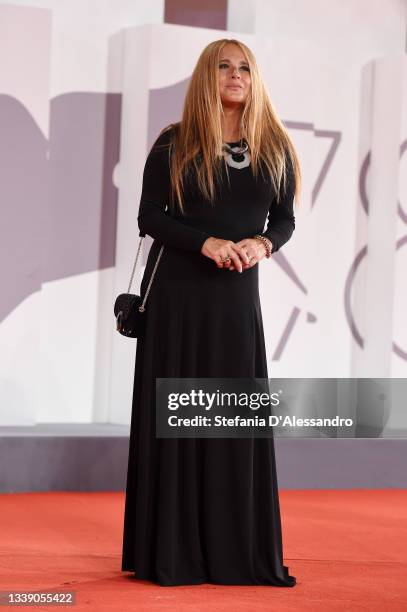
x: 203, y: 509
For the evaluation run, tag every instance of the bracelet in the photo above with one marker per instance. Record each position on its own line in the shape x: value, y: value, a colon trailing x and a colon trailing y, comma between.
x: 267, y: 243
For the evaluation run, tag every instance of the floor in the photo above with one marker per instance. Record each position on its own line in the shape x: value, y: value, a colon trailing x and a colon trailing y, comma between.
x: 347, y: 548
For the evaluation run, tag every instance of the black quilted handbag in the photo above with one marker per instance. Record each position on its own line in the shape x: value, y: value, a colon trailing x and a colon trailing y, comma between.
x: 130, y: 309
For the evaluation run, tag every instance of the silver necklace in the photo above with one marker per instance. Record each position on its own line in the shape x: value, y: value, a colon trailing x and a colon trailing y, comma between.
x: 236, y: 150
x: 235, y: 156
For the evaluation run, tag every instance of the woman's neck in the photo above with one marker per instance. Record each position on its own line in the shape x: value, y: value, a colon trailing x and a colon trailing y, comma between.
x: 231, y: 124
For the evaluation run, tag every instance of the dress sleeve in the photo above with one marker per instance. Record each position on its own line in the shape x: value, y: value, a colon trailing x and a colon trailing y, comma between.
x: 281, y: 220
x: 153, y: 218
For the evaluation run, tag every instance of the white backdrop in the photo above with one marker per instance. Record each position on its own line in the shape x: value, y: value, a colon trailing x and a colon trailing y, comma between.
x: 56, y: 369
x: 303, y: 290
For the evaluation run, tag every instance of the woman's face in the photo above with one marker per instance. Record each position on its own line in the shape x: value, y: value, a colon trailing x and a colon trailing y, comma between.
x: 234, y: 76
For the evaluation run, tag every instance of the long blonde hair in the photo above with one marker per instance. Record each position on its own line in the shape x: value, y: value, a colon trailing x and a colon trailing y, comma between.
x: 197, y: 139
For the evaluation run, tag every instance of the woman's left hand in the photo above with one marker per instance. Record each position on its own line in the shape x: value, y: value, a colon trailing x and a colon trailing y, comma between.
x: 255, y: 250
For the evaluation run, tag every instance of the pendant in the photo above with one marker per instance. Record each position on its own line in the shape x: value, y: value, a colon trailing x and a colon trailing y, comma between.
x: 236, y: 156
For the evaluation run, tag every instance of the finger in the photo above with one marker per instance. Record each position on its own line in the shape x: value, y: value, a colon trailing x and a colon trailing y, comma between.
x: 247, y: 266
x: 236, y: 261
x: 246, y: 256
x: 222, y: 260
x: 241, y: 252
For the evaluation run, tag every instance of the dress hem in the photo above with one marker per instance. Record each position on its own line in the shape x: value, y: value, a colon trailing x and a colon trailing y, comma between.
x: 206, y: 580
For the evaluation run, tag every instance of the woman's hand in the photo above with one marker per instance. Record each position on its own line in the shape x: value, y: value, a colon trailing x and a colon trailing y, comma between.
x: 218, y: 249
x: 254, y: 249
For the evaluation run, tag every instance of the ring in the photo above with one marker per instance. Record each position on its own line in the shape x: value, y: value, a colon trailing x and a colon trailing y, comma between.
x: 223, y: 259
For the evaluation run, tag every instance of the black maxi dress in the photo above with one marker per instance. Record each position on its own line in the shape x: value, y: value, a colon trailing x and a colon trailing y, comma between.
x: 203, y: 509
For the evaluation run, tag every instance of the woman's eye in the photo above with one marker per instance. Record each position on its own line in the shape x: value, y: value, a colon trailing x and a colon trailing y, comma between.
x: 241, y: 67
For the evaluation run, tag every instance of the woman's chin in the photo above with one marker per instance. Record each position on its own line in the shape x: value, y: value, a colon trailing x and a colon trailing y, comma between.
x: 234, y: 100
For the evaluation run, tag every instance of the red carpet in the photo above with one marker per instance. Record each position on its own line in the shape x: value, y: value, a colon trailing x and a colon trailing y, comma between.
x: 348, y: 550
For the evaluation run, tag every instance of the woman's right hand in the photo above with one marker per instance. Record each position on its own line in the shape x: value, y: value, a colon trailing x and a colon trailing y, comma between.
x: 217, y: 248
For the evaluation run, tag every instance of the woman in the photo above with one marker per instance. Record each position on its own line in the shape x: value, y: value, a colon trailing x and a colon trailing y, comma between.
x: 203, y: 509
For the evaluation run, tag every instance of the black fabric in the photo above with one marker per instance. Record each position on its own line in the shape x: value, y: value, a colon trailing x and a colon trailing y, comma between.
x: 239, y: 212
x: 202, y: 510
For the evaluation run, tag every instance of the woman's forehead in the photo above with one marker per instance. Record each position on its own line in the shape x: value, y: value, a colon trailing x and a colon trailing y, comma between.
x: 231, y: 49
x: 233, y: 53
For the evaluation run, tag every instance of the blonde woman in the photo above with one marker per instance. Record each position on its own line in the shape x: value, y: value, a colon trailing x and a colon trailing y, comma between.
x: 207, y: 509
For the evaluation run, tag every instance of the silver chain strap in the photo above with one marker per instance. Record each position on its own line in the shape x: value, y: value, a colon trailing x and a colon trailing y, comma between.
x: 142, y: 307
